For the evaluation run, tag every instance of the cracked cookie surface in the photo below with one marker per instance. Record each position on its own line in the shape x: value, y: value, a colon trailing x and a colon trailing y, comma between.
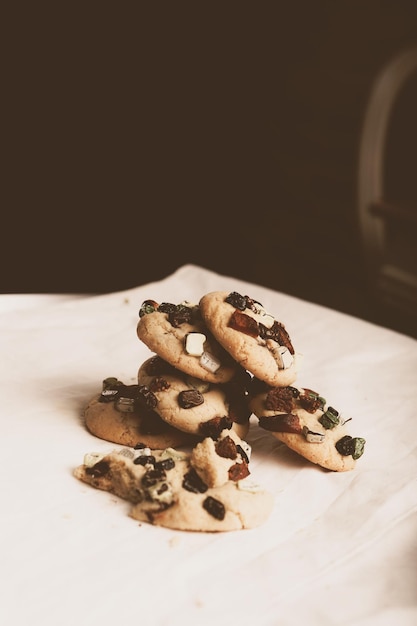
x: 166, y: 489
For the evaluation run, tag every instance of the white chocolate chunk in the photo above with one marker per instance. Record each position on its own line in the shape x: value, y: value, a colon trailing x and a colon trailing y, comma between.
x: 267, y: 320
x: 209, y: 362
x: 91, y: 458
x: 262, y: 315
x: 286, y: 357
x: 109, y: 393
x: 313, y: 436
x: 282, y: 355
x: 194, y: 344
x: 137, y: 452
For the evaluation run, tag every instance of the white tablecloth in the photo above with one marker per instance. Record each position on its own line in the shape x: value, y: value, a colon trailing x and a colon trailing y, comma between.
x: 337, y: 549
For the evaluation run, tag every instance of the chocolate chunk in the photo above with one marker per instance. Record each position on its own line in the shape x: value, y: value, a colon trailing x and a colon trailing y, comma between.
x: 146, y: 397
x: 212, y: 428
x: 242, y: 453
x: 192, y: 482
x: 159, y: 384
x: 353, y: 446
x: 180, y: 315
x: 311, y: 400
x: 238, y: 471
x: 190, y: 398
x: 244, y: 324
x: 167, y: 307
x: 281, y: 423
x: 144, y: 459
x: 280, y: 399
x: 165, y: 464
x: 99, y: 469
x: 278, y: 333
x: 226, y: 448
x: 153, y: 476
x: 238, y: 301
x: 214, y: 507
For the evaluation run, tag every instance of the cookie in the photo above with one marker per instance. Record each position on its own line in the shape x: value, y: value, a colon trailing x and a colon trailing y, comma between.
x: 303, y: 420
x: 119, y: 414
x: 253, y: 337
x: 178, y: 334
x: 218, y: 460
x: 166, y: 489
x: 194, y: 406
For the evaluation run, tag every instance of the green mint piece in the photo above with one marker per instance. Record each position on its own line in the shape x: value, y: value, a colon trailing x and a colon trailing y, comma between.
x: 358, y: 445
x: 329, y: 419
x: 145, y: 309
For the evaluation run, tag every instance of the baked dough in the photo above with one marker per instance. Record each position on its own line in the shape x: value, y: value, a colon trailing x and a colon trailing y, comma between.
x: 303, y: 420
x: 118, y: 415
x: 178, y: 334
x: 166, y: 488
x: 253, y: 337
x: 195, y: 406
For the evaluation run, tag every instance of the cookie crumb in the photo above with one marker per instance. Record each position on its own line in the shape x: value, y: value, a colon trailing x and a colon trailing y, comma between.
x: 174, y: 541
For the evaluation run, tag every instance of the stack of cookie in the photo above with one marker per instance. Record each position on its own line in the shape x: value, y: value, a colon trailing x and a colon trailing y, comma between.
x: 213, y: 366
x: 189, y: 388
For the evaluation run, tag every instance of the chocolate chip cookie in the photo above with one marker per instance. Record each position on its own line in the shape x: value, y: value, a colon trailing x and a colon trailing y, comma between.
x: 168, y: 488
x: 194, y: 406
x: 178, y: 334
x: 251, y: 335
x: 303, y: 420
x: 120, y: 414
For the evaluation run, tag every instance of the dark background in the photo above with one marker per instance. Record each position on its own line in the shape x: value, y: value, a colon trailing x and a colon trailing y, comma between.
x: 220, y: 134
